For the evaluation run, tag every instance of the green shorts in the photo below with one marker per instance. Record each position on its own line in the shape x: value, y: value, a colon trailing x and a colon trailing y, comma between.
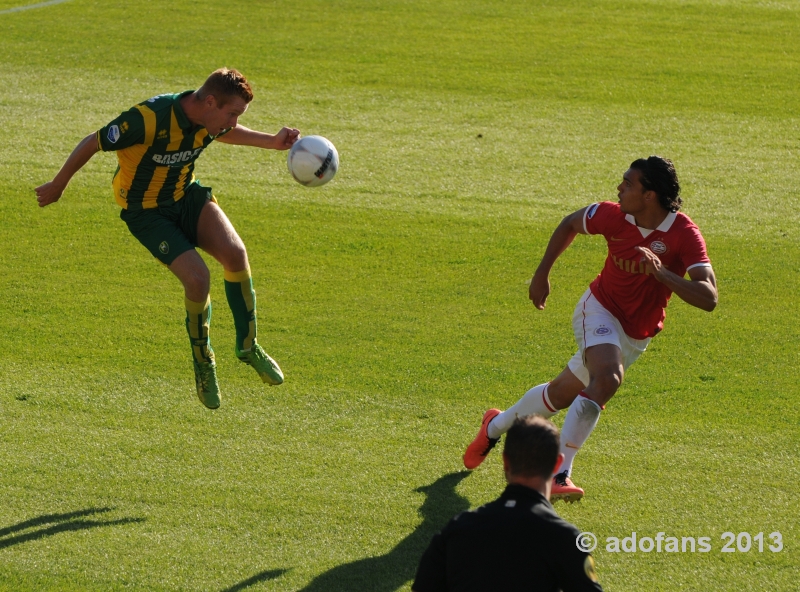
x: 169, y: 231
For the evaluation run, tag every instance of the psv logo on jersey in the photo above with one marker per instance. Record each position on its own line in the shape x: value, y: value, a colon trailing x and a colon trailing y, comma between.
x: 658, y: 247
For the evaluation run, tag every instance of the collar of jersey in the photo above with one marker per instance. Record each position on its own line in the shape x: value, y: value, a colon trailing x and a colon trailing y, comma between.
x: 663, y: 227
x: 515, y: 490
x: 183, y: 121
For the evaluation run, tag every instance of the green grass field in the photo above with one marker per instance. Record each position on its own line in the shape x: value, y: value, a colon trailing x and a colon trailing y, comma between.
x: 394, y: 297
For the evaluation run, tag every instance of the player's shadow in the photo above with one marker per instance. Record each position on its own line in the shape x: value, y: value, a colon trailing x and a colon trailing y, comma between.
x: 260, y: 577
x: 56, y: 523
x: 388, y: 572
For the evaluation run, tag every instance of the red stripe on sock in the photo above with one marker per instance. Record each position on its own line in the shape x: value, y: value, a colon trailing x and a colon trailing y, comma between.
x: 544, y: 400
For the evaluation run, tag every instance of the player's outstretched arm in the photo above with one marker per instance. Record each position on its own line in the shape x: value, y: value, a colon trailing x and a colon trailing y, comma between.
x: 242, y: 136
x: 562, y: 238
x: 51, y: 192
x: 699, y: 290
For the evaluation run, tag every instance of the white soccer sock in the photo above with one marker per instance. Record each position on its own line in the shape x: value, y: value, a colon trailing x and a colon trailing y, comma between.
x: 534, y: 401
x: 578, y: 424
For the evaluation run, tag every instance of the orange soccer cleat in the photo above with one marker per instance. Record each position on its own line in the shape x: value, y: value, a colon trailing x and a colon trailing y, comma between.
x: 478, y: 449
x: 564, y: 489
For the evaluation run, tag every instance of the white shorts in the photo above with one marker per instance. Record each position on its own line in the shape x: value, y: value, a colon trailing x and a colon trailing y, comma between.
x: 593, y: 325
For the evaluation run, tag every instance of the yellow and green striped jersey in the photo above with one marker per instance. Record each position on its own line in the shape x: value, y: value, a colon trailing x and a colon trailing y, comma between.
x: 156, y: 147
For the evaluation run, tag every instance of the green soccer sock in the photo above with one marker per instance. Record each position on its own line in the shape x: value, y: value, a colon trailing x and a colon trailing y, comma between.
x: 242, y: 300
x: 198, y: 320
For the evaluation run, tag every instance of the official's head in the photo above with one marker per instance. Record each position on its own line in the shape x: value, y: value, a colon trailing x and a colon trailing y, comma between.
x: 658, y: 174
x: 531, y: 449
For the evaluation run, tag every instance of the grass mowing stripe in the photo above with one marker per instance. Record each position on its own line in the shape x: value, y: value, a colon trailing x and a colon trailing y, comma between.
x: 732, y: 57
x: 31, y: 6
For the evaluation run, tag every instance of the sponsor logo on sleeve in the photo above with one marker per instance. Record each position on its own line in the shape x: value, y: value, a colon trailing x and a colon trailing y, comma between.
x: 113, y: 134
x: 592, y: 210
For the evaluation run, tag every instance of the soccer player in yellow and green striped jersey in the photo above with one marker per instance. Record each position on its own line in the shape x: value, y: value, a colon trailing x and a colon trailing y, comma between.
x: 171, y: 214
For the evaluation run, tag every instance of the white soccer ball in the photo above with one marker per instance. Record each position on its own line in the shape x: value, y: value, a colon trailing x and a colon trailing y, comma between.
x: 313, y: 161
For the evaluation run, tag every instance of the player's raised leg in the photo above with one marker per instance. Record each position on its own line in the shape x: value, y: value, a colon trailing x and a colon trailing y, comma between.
x: 544, y: 399
x: 537, y: 401
x: 193, y: 273
x: 217, y: 236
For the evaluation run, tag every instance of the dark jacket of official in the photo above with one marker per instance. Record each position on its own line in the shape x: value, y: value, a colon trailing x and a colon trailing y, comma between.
x: 515, y: 543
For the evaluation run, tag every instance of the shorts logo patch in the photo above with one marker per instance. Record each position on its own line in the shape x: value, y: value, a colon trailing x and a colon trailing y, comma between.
x: 164, y: 247
x: 113, y: 134
x: 658, y: 247
x: 592, y: 210
x: 602, y: 330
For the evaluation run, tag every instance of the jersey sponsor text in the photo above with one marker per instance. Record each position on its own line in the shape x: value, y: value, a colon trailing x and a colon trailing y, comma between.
x: 177, y: 157
x: 635, y: 266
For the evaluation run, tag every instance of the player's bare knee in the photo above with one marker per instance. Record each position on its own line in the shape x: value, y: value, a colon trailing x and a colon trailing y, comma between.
x: 197, y: 283
x: 241, y: 256
x: 235, y: 257
x: 607, y: 381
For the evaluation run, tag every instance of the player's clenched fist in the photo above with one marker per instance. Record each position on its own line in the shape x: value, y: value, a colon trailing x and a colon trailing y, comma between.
x: 48, y: 193
x: 286, y: 137
x: 539, y: 290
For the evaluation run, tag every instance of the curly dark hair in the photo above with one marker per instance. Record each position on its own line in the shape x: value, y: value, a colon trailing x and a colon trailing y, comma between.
x: 658, y: 174
x: 225, y: 83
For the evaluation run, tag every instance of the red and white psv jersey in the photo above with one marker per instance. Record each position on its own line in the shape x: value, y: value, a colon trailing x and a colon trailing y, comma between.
x: 624, y: 288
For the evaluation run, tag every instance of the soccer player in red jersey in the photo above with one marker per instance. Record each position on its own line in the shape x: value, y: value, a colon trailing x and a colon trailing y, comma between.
x: 651, y: 247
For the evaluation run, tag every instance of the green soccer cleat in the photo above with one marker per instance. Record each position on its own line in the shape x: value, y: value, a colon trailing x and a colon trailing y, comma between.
x: 267, y: 368
x: 205, y: 375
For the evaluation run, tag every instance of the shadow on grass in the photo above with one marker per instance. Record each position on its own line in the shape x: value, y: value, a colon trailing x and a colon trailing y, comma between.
x: 60, y: 523
x: 387, y: 573
x: 256, y: 579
